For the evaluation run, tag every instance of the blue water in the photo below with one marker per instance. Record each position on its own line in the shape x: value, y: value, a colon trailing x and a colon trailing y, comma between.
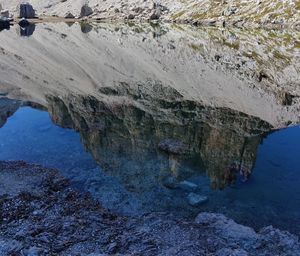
x: 271, y: 197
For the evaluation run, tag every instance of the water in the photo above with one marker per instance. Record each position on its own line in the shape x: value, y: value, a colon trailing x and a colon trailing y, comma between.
x: 142, y: 134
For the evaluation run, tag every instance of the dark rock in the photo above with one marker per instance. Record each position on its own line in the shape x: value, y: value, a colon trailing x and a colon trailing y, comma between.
x: 4, y: 14
x: 188, y: 186
x: 85, y: 11
x: 69, y: 16
x: 26, y: 11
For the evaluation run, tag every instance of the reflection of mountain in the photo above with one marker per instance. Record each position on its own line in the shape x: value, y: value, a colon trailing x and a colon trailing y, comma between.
x: 7, y: 108
x: 255, y: 72
x: 125, y: 127
x: 128, y: 88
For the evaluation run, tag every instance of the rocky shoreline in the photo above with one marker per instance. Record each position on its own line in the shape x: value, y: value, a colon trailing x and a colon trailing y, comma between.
x: 266, y: 14
x: 41, y: 214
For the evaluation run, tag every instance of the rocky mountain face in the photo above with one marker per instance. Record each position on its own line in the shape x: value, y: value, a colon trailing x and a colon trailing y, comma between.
x: 219, y: 12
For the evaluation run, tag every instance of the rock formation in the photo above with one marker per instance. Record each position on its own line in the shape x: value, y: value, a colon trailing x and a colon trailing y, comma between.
x: 26, y: 11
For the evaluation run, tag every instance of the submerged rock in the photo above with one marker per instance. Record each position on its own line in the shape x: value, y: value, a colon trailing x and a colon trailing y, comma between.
x: 196, y: 199
x: 188, y: 186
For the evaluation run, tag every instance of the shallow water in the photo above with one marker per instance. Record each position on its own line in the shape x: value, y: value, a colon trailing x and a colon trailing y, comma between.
x: 104, y: 129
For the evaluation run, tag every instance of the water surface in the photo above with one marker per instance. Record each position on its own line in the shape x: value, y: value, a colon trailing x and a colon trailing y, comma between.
x: 141, y: 132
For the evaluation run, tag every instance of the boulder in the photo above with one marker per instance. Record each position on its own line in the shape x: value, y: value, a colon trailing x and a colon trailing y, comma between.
x: 26, y: 11
x: 86, y: 11
x: 195, y: 199
x: 4, y: 14
x: 188, y: 186
x: 69, y: 16
x: 155, y: 15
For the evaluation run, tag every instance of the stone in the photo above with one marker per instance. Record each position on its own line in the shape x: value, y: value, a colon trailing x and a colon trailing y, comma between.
x: 188, y: 186
x: 195, y: 199
x: 4, y: 14
x: 26, y: 11
x: 69, y: 16
x: 86, y: 11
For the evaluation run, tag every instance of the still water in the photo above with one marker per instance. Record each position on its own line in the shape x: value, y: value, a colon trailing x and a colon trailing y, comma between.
x: 145, y: 133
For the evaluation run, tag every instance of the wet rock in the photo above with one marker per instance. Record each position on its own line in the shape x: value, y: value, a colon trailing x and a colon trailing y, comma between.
x: 172, y: 147
x: 196, y: 199
x: 188, y: 186
x: 26, y: 11
x: 86, y: 11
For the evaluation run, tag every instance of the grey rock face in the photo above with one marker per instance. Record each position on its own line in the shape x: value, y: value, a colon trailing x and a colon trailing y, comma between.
x: 26, y: 11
